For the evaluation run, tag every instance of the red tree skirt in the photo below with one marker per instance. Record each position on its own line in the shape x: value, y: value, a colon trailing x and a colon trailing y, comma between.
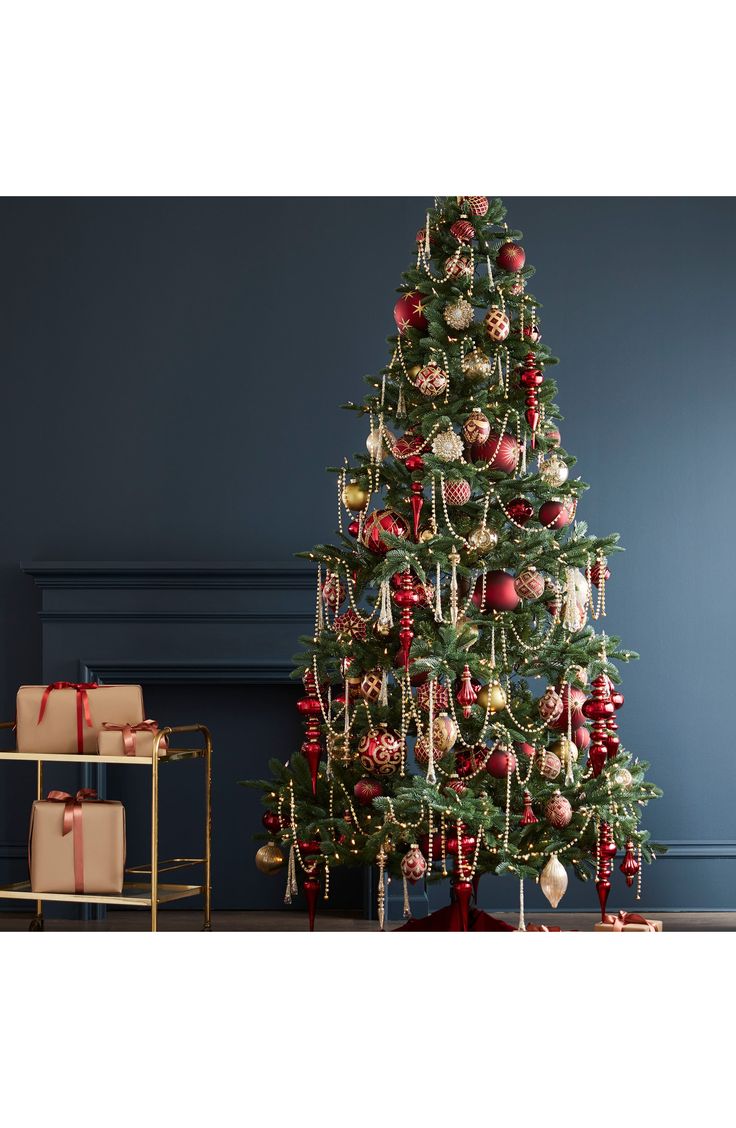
x: 448, y: 920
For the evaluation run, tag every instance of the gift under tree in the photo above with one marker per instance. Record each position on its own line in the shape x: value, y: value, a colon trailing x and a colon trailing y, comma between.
x: 461, y: 701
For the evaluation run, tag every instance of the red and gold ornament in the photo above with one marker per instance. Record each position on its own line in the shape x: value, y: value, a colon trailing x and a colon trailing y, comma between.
x: 572, y: 709
x: 409, y: 312
x: 500, y: 452
x: 371, y: 685
x: 351, y: 624
x: 511, y: 257
x: 529, y: 584
x: 528, y: 818
x: 476, y: 427
x: 550, y: 765
x: 413, y: 864
x: 333, y: 590
x: 476, y: 205
x: 497, y: 324
x: 600, y: 568
x: 408, y: 444
x: 558, y: 811
x: 550, y: 705
x: 380, y: 752
x: 366, y: 790
x: 444, y: 733
x: 457, y: 266
x: 378, y: 523
x: 431, y: 380
x: 441, y: 696
x: 421, y: 752
x: 463, y: 230
x: 519, y: 510
x: 456, y: 491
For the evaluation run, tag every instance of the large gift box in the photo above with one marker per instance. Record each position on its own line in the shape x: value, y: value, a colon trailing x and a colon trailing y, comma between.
x: 129, y: 740
x: 66, y: 717
x: 76, y: 844
x: 627, y: 922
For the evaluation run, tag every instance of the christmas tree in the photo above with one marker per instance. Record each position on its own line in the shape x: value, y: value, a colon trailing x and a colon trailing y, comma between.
x: 460, y: 701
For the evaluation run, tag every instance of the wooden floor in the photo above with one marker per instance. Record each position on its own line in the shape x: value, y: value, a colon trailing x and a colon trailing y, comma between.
x: 294, y: 921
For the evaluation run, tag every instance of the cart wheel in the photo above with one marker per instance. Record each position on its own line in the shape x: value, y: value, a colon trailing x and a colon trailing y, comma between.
x: 36, y: 924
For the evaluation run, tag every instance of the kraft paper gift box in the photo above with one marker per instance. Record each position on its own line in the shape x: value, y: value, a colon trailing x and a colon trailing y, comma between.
x: 129, y: 740
x: 628, y: 922
x: 76, y: 844
x: 66, y: 717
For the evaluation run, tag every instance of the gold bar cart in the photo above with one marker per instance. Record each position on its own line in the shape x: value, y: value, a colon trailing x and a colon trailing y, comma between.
x: 134, y: 893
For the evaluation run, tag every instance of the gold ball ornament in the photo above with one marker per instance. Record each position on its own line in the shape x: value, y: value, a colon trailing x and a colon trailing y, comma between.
x: 427, y: 535
x: 565, y: 750
x: 623, y: 778
x: 476, y: 427
x: 553, y: 881
x: 413, y: 372
x: 380, y: 442
x: 458, y: 314
x: 354, y: 496
x: 482, y: 539
x: 477, y: 366
x: 447, y: 446
x: 497, y: 324
x: 554, y: 471
x: 269, y: 858
x: 492, y: 697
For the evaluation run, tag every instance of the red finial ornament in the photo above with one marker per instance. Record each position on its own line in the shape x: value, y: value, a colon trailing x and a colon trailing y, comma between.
x: 599, y: 708
x: 416, y: 501
x: 531, y: 379
x: 466, y: 695
x: 406, y: 598
x: 612, y: 741
x: 310, y: 708
x: 528, y: 817
x: 629, y: 866
x: 460, y: 846
x: 606, y: 854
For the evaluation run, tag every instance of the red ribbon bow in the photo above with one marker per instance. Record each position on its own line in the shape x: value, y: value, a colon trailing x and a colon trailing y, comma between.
x: 129, y: 732
x: 73, y: 822
x: 623, y: 919
x: 82, y: 706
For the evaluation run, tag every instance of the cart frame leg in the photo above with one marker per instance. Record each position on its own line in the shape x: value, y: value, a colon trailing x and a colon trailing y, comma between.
x: 208, y: 836
x: 154, y: 836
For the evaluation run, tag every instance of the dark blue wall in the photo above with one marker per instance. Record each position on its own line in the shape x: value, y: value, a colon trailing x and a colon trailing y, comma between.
x: 172, y: 371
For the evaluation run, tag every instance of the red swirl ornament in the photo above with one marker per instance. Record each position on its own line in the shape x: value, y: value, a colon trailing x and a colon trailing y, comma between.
x: 380, y: 752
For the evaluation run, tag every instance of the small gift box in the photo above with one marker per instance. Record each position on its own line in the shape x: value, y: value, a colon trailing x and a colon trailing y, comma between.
x: 65, y: 717
x: 76, y: 844
x: 129, y: 740
x: 627, y: 922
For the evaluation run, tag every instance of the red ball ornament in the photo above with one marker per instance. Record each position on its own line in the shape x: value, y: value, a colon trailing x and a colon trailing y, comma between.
x: 511, y: 257
x: 476, y: 205
x: 581, y: 737
x: 380, y: 752
x: 378, y: 523
x: 354, y: 528
x: 409, y: 312
x: 500, y: 593
x: 470, y: 760
x: 333, y: 590
x: 555, y: 514
x: 431, y: 380
x: 407, y: 445
x: 501, y: 762
x: 366, y: 790
x: 271, y: 821
x: 463, y: 230
x: 456, y: 492
x: 558, y: 811
x: 524, y: 749
x: 572, y: 700
x: 500, y: 452
x: 519, y: 510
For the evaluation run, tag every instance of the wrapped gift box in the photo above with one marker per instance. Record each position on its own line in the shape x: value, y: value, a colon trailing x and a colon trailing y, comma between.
x: 129, y: 740
x: 65, y: 718
x: 628, y: 922
x: 76, y: 844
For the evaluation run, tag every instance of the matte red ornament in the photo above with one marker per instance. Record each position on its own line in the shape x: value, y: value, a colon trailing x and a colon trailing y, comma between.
x: 311, y: 708
x: 581, y: 737
x: 500, y: 452
x: 528, y: 818
x: 555, y: 514
x: 630, y: 865
x: 531, y: 379
x: 409, y: 312
x: 500, y: 592
x: 520, y: 510
x: 511, y: 257
x: 463, y: 230
x: 598, y: 708
x: 406, y: 598
x: 366, y: 790
x: 467, y: 694
x: 379, y: 522
x: 500, y: 763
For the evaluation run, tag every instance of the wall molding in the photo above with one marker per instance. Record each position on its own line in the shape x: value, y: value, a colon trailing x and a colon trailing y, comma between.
x: 104, y: 616
x: 124, y: 575
x: 204, y: 672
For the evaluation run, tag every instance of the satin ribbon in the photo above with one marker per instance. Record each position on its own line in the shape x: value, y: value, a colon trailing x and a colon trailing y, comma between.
x: 622, y: 919
x: 72, y: 821
x: 129, y: 732
x: 83, y: 712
